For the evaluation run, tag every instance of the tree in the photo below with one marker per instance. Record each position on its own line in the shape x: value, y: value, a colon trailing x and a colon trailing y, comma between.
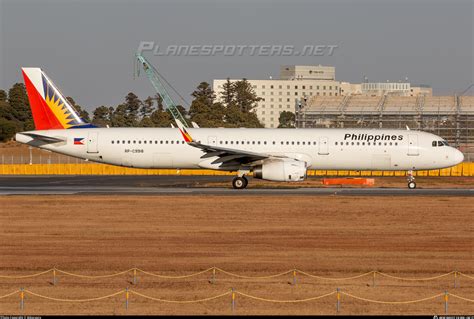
x: 3, y: 96
x: 234, y: 117
x: 245, y: 97
x: 147, y: 107
x: 82, y: 113
x: 182, y: 110
x: 161, y: 118
x: 287, y: 119
x: 19, y: 104
x: 130, y: 109
x: 7, y: 129
x: 101, y: 116
x: 204, y: 93
x: 204, y: 110
x: 120, y: 117
x: 228, y: 92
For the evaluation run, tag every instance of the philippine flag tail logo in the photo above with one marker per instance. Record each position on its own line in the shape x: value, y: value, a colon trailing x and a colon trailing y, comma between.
x: 50, y: 109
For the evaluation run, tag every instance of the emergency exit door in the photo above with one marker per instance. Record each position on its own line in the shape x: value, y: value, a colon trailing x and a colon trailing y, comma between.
x: 323, y: 146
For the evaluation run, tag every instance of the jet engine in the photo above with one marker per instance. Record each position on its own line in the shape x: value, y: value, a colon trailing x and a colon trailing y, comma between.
x: 288, y: 170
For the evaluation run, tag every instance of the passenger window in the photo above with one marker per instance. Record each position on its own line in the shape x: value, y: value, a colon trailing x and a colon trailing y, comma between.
x: 166, y: 141
x: 144, y: 142
x: 139, y: 142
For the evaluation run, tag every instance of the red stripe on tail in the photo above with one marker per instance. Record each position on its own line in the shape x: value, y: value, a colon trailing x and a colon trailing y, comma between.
x: 42, y: 115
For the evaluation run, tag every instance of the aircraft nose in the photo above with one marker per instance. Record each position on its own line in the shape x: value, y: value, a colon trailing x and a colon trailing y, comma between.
x: 458, y: 156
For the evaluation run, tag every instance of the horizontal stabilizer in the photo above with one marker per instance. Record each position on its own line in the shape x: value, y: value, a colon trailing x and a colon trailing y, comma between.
x: 43, y: 138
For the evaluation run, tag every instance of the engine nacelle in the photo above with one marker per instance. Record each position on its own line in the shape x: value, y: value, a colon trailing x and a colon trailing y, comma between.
x: 281, y: 170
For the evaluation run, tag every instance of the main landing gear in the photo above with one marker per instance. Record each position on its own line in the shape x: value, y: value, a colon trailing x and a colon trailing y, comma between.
x: 411, y: 180
x: 240, y: 182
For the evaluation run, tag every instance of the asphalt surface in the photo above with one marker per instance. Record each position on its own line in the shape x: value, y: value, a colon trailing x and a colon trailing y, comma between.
x: 185, y: 185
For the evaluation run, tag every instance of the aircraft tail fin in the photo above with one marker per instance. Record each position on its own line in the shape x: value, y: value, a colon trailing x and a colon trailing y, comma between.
x: 50, y: 109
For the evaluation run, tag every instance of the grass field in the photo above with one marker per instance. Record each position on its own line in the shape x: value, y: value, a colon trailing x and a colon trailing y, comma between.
x: 256, y: 236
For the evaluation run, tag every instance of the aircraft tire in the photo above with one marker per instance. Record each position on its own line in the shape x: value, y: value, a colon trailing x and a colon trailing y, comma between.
x: 239, y: 182
x: 411, y: 185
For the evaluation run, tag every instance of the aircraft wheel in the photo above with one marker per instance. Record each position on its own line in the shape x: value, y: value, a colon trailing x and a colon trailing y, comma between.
x: 239, y: 182
x: 246, y: 181
x: 411, y: 185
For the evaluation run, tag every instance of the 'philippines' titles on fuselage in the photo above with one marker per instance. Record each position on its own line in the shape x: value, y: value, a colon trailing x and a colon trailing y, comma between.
x: 372, y: 137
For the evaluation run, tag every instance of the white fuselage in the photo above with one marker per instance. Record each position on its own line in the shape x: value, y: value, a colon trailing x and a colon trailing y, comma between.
x: 327, y: 149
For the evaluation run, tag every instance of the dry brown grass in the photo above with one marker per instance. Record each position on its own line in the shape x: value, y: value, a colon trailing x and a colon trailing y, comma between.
x: 259, y: 235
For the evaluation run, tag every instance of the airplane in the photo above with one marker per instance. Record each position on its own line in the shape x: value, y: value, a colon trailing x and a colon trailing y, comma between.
x: 282, y: 155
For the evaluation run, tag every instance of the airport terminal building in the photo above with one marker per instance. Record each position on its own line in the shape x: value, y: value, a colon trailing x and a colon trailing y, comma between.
x: 302, y: 82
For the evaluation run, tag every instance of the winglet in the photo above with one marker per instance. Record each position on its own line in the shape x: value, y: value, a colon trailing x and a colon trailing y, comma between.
x: 187, y: 137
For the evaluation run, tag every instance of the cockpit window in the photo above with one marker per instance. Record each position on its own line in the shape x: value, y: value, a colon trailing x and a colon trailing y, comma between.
x: 439, y: 143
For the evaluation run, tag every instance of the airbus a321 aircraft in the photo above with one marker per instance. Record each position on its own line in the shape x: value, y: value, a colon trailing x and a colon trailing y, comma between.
x: 270, y: 154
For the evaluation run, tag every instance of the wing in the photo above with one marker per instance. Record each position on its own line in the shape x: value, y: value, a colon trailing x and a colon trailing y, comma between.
x: 226, y: 157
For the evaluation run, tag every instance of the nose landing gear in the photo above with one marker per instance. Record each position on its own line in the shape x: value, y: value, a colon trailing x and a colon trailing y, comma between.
x: 411, y: 180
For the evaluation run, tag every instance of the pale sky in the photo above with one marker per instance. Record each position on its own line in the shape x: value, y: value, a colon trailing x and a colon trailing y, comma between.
x: 87, y: 47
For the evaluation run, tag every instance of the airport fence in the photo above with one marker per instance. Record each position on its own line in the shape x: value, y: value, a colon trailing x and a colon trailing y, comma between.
x: 464, y: 169
x: 233, y: 293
